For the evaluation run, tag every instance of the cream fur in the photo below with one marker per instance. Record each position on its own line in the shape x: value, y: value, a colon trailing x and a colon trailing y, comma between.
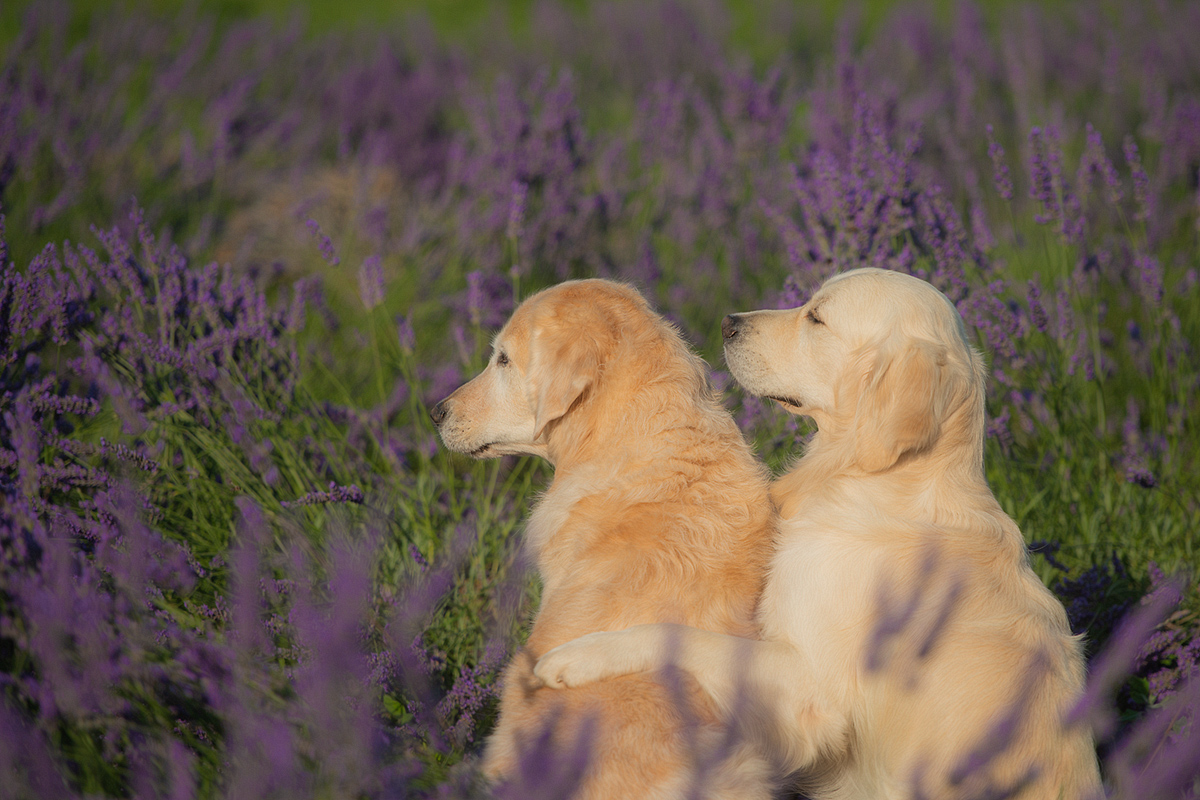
x: 904, y: 635
x: 658, y: 512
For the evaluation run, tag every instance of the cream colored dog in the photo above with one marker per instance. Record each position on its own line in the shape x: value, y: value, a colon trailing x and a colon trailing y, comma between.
x: 658, y: 512
x: 908, y: 648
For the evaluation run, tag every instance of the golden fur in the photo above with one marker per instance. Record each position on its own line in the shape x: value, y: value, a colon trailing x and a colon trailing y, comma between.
x: 905, y: 637
x: 658, y: 512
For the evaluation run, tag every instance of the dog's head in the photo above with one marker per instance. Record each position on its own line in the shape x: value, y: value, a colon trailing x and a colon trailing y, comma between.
x: 544, y: 362
x: 879, y: 359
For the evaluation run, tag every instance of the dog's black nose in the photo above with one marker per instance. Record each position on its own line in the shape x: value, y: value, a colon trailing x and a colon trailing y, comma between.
x: 729, y: 326
x: 438, y: 413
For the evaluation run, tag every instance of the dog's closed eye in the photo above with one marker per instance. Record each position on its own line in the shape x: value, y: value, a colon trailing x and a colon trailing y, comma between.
x: 813, y: 317
x: 502, y: 359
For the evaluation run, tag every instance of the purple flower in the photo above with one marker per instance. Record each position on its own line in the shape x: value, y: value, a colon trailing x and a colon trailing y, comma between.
x: 1141, y: 182
x: 26, y: 759
x: 1037, y: 312
x: 1197, y: 209
x: 1117, y: 660
x: 1135, y: 454
x: 418, y: 559
x: 24, y: 433
x: 545, y: 770
x: 475, y: 296
x: 1150, y: 278
x: 1000, y: 174
x: 323, y: 242
x: 793, y: 295
x: 516, y: 209
x: 335, y: 494
x: 1066, y: 316
x: 474, y: 688
x: 371, y: 287
x: 1095, y: 161
x: 488, y: 300
x: 646, y: 270
x: 405, y: 335
x: 998, y: 428
x: 1048, y: 186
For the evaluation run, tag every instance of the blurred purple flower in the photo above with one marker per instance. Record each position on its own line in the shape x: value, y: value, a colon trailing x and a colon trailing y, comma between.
x: 1171, y: 656
x: 405, y: 335
x: 1134, y: 458
x: 998, y: 429
x: 1150, y: 278
x: 488, y: 299
x: 1095, y: 161
x: 371, y: 287
x: 1197, y: 209
x: 516, y: 209
x: 793, y: 295
x: 475, y: 297
x: 546, y: 771
x: 1060, y: 206
x: 1141, y: 182
x: 1037, y: 312
x: 1065, y: 313
x: 1000, y: 174
x: 1117, y: 661
x: 323, y: 242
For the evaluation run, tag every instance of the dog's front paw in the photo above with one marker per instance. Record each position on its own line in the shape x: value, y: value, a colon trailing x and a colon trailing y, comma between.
x: 571, y: 664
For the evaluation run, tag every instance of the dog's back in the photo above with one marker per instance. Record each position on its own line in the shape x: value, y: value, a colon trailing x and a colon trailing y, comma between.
x: 650, y: 739
x: 658, y: 512
x: 973, y: 693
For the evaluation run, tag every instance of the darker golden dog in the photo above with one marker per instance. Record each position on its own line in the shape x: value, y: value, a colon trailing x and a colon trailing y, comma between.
x: 657, y: 513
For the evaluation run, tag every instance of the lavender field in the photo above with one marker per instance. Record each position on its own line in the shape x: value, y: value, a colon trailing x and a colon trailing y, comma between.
x: 241, y: 257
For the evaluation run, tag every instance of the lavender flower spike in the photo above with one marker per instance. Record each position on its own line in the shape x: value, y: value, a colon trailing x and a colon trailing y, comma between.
x: 370, y: 282
x: 336, y: 494
x: 1000, y: 174
x: 323, y: 242
x: 405, y: 334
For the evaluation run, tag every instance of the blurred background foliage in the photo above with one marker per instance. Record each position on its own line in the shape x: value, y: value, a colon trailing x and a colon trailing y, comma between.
x: 247, y: 244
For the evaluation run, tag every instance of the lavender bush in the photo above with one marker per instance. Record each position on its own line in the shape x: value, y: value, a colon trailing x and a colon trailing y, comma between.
x: 234, y: 561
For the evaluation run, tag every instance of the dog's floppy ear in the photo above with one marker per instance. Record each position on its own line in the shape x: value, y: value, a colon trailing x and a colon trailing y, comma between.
x: 565, y: 363
x: 902, y: 402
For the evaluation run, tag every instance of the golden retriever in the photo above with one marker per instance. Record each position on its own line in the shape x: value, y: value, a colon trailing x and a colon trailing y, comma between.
x: 908, y: 649
x: 658, y: 512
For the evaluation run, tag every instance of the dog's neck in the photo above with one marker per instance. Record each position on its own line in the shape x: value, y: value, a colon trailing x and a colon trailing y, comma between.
x: 628, y: 430
x: 913, y: 487
x: 625, y: 419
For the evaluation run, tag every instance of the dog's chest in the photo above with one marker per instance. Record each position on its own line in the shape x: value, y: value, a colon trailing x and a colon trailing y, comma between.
x: 819, y: 595
x: 560, y: 524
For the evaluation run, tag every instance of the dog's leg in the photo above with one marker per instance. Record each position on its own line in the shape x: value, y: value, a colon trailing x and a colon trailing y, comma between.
x: 765, y: 686
x: 596, y: 656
